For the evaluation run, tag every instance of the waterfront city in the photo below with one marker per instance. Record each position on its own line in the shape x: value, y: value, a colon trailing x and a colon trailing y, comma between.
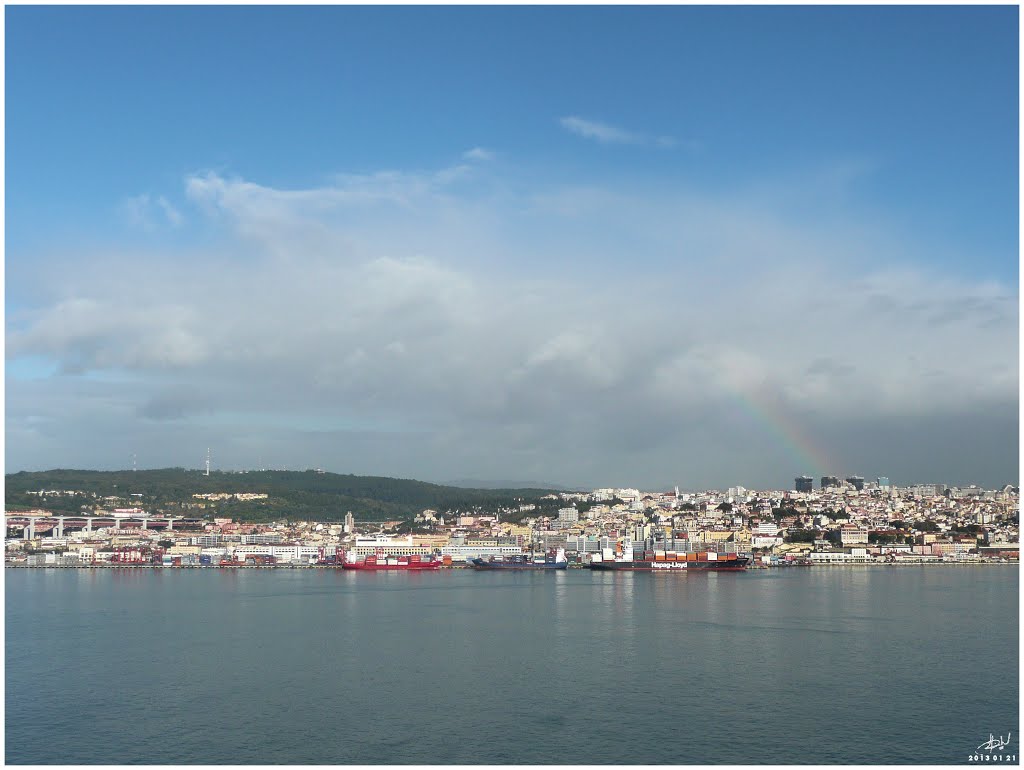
x: 841, y: 521
x: 512, y: 384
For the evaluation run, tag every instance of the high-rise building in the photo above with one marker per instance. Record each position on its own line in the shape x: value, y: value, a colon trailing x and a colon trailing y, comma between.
x: 829, y: 481
x: 883, y: 482
x: 804, y: 484
x: 856, y: 481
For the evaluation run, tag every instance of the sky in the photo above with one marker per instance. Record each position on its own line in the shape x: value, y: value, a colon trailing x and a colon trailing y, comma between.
x: 587, y: 246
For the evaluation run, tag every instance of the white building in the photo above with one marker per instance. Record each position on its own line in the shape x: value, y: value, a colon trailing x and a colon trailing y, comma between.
x: 294, y: 553
x: 851, y: 535
x: 855, y: 556
x: 262, y: 538
x: 389, y: 546
x: 466, y: 552
x: 568, y: 516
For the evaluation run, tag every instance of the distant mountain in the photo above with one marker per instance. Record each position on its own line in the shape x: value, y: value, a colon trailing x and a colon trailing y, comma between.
x: 308, y: 495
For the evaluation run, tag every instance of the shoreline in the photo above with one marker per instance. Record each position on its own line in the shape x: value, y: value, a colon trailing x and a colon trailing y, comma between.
x: 576, y: 567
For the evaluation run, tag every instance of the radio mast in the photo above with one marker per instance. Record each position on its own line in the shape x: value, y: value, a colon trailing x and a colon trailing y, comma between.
x: 207, y: 461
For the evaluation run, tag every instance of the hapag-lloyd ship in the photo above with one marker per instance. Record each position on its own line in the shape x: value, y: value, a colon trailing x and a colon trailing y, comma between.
x: 668, y: 562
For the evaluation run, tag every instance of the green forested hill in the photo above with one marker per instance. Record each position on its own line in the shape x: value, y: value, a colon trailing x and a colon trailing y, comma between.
x: 308, y: 495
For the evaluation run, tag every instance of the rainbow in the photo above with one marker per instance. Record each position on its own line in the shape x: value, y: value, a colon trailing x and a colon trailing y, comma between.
x: 769, y: 411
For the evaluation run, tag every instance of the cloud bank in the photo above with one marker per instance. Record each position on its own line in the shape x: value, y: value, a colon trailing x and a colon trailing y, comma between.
x: 450, y: 324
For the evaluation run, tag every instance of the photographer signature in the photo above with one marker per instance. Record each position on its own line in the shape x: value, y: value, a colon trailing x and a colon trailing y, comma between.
x: 995, y: 743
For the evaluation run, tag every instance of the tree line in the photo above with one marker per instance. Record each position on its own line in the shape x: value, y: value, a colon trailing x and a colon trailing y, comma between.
x: 309, y: 495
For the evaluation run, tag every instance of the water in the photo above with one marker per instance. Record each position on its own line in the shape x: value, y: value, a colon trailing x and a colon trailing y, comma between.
x: 818, y: 665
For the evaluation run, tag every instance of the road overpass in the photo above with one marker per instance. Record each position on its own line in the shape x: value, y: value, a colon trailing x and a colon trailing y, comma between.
x: 58, y: 523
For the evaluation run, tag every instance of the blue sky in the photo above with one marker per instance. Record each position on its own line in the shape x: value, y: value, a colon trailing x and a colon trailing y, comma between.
x: 544, y: 152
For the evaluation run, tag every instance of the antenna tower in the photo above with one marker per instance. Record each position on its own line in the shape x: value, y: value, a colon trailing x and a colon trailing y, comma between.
x: 207, y: 461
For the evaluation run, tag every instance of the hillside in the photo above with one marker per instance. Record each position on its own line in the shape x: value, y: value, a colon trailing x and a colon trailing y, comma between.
x: 309, y: 495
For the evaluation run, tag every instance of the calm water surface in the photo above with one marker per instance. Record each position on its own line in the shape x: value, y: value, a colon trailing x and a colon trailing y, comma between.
x: 819, y: 665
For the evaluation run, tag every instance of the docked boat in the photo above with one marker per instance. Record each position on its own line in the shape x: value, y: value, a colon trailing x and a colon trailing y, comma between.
x: 379, y: 561
x: 667, y: 561
x: 550, y: 560
x: 720, y: 562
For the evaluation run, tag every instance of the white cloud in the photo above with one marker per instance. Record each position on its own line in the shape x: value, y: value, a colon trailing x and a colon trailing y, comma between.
x: 608, y: 134
x: 601, y: 132
x: 512, y: 327
x: 478, y: 153
x: 172, y: 214
x: 149, y: 213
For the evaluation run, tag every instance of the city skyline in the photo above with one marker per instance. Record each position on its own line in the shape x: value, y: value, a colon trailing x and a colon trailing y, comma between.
x: 800, y: 483
x: 590, y: 246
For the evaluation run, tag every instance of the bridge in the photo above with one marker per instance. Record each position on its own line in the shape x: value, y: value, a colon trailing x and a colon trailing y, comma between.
x: 58, y: 523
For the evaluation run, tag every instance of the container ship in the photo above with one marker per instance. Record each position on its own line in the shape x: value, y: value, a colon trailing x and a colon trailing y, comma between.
x: 550, y: 560
x: 380, y: 561
x: 651, y: 561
